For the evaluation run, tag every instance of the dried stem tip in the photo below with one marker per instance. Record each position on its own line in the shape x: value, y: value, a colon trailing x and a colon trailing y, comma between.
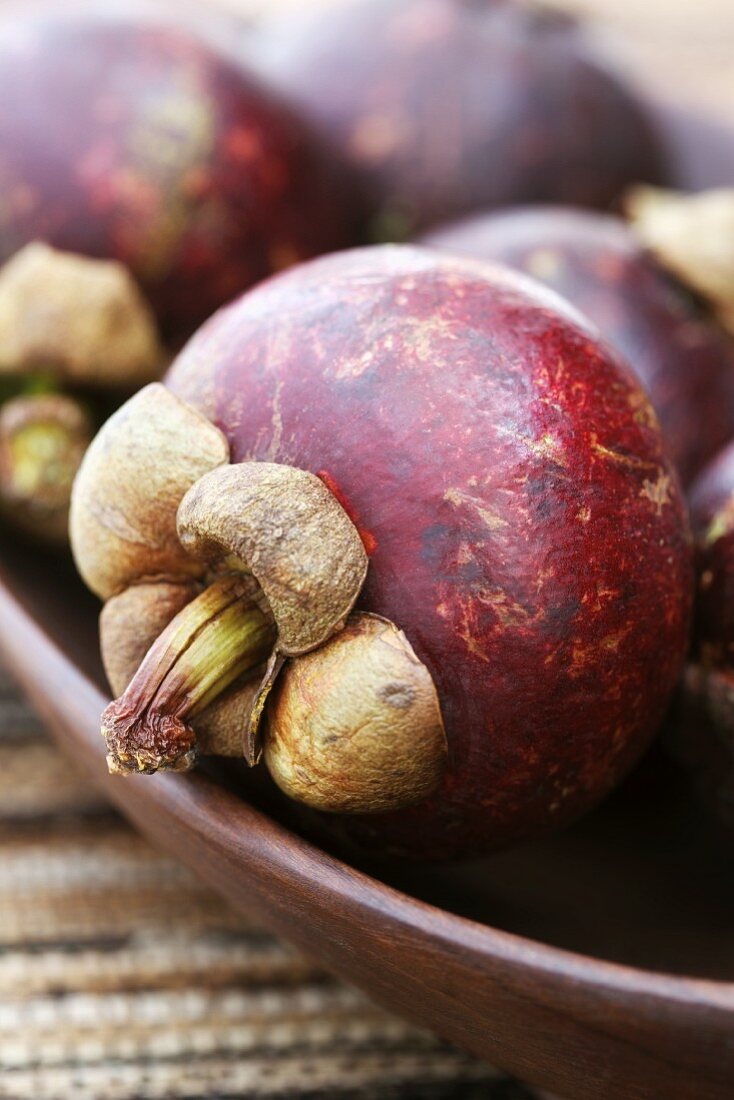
x: 215, y: 639
x: 42, y: 441
x: 84, y: 320
x: 692, y: 236
x: 355, y: 726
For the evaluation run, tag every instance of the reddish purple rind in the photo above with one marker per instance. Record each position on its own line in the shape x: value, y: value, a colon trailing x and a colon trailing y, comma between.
x: 712, y: 489
x: 530, y: 537
x: 703, y: 729
x: 682, y: 356
x: 700, y: 736
x: 714, y: 622
x: 120, y: 138
x: 444, y: 106
x: 712, y: 515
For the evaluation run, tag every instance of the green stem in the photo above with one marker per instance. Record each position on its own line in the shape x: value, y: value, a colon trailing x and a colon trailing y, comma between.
x: 26, y: 385
x: 43, y: 438
x: 42, y: 462
x: 218, y: 637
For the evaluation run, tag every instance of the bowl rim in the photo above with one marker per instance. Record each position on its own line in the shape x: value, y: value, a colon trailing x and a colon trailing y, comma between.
x: 28, y: 649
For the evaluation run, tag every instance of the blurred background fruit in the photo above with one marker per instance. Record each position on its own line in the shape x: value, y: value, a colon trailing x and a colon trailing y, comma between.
x: 123, y: 138
x: 599, y: 264
x: 443, y: 106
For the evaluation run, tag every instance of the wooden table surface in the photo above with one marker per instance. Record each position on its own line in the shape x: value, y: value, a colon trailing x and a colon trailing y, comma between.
x: 120, y: 977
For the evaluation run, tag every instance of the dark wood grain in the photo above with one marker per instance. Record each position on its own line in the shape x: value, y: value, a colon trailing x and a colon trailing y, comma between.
x: 579, y: 1026
x: 644, y: 882
x: 97, y: 928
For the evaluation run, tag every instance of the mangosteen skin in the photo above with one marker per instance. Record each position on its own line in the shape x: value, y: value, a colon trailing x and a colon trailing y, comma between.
x: 127, y: 139
x: 508, y: 477
x: 446, y: 106
x: 701, y: 735
x: 681, y: 354
x: 712, y: 519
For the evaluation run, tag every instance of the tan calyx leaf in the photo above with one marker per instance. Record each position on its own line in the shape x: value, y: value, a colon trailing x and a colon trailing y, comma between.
x: 84, y: 320
x: 252, y: 741
x: 219, y: 728
x: 286, y: 527
x: 356, y: 726
x: 693, y: 237
x: 129, y: 486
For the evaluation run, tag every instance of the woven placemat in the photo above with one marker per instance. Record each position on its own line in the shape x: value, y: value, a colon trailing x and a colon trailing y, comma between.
x: 123, y: 978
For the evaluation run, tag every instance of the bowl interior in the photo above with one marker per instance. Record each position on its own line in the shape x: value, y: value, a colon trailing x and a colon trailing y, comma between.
x: 646, y: 880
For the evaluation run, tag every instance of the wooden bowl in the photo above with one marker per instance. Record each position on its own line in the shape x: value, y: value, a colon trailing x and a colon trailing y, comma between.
x: 596, y: 964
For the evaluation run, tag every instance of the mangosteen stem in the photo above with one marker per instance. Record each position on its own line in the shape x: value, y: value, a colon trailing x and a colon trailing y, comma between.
x: 42, y: 440
x: 216, y: 638
x: 39, y: 460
